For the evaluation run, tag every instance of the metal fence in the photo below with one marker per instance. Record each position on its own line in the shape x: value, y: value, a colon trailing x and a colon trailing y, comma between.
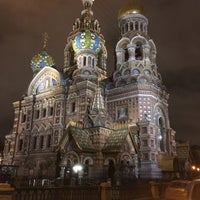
x: 128, y: 192
x: 64, y: 193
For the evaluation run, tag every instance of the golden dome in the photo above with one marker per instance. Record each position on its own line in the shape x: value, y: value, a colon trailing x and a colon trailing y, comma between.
x: 131, y: 8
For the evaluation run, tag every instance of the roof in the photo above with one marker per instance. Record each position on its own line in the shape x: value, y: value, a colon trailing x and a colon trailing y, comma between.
x: 116, y: 140
x: 81, y: 137
x: 113, y: 143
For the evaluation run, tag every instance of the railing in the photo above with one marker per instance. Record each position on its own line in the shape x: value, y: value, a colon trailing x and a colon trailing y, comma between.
x: 131, y: 192
x: 64, y: 193
x: 83, y: 193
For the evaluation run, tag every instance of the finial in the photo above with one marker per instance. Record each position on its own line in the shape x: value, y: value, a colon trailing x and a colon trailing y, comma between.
x: 87, y: 3
x: 45, y: 40
x: 98, y: 81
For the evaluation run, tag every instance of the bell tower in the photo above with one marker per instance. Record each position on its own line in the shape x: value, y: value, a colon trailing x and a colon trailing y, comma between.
x: 137, y: 95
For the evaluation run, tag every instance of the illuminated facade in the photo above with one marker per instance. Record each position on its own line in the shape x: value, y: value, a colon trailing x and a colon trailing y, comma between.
x: 116, y: 127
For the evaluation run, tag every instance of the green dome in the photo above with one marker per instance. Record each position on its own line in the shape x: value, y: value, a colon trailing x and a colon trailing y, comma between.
x: 42, y: 60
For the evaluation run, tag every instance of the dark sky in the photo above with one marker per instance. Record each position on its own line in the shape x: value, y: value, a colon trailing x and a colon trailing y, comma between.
x: 174, y: 25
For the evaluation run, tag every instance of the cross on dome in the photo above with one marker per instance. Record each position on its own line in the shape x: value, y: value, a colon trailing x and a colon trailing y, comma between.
x: 45, y: 40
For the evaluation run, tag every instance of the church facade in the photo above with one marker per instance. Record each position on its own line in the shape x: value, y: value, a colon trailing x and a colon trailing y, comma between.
x: 114, y: 126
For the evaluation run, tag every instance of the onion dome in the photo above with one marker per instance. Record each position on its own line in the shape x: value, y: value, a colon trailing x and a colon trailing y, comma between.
x: 41, y: 60
x: 87, y: 41
x: 131, y: 8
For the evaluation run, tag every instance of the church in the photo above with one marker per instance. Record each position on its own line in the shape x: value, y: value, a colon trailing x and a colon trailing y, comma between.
x: 114, y: 127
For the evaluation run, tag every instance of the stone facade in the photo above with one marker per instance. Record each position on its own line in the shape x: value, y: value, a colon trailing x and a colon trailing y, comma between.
x: 113, y: 126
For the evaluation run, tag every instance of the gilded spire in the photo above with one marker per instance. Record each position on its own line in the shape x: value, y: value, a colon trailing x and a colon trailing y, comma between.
x: 45, y: 40
x: 98, y: 103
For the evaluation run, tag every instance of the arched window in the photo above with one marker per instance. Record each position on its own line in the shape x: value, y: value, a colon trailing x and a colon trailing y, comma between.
x: 89, y: 61
x: 21, y: 142
x: 135, y: 72
x: 54, y: 82
x: 41, y: 142
x: 136, y: 26
x: 117, y: 75
x: 86, y: 72
x: 141, y: 26
x: 126, y: 55
x: 143, y: 80
x: 147, y: 72
x: 160, y: 133
x: 73, y: 107
x: 37, y: 114
x: 126, y: 27
x: 44, y: 112
x: 48, y: 141
x: 131, y: 26
x: 86, y: 167
x: 51, y: 111
x: 138, y: 51
x: 23, y: 118
x: 127, y: 72
x: 84, y: 61
x: 34, y: 142
x: 93, y: 62
x: 111, y: 169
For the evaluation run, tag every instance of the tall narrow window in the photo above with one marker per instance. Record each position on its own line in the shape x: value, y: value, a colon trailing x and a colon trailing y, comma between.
x: 23, y: 118
x: 84, y: 61
x: 138, y: 51
x: 161, y: 135
x: 37, y: 114
x: 44, y: 112
x: 89, y: 61
x: 141, y: 27
x: 48, y: 141
x: 21, y: 144
x: 93, y: 63
x: 73, y: 107
x: 131, y: 26
x: 126, y: 55
x: 41, y: 142
x: 136, y: 26
x: 34, y: 142
x: 51, y: 111
x: 126, y: 27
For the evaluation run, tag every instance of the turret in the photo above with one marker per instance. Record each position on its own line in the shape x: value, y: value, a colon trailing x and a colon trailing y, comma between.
x: 85, y: 49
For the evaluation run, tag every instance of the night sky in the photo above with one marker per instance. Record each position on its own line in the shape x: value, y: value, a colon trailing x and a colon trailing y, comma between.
x: 174, y: 25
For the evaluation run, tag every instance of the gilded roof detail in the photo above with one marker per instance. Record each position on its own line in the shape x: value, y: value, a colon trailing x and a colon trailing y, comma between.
x: 116, y: 140
x: 82, y: 139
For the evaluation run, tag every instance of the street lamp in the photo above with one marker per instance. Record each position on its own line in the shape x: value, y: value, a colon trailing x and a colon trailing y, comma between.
x: 193, y: 167
x: 78, y: 170
x: 1, y: 158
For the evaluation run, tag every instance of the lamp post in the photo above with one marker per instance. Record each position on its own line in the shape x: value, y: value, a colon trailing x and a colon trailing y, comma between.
x: 1, y: 158
x: 78, y: 170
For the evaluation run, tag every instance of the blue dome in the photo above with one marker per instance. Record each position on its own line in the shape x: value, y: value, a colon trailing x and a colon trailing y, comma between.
x: 42, y: 60
x: 86, y: 40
